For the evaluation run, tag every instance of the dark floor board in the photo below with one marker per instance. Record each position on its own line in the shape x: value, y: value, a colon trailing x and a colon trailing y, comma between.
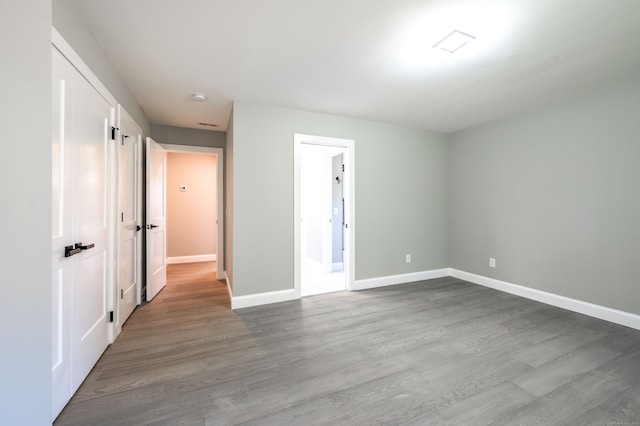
x: 436, y: 352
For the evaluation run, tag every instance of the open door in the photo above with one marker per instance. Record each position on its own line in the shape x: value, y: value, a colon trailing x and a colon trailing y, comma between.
x: 129, y: 249
x: 156, y: 218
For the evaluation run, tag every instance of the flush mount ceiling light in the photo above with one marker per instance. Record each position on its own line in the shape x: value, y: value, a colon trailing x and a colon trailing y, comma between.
x: 454, y: 41
x: 199, y: 97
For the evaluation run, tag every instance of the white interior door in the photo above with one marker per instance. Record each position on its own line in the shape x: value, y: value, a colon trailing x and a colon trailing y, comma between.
x: 82, y: 215
x: 92, y: 213
x: 128, y: 283
x: 156, y: 218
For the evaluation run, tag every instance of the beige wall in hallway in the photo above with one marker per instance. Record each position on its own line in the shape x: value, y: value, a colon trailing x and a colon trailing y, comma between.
x: 191, y: 215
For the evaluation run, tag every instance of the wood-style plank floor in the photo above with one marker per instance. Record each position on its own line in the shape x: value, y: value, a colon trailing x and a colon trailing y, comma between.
x: 435, y: 352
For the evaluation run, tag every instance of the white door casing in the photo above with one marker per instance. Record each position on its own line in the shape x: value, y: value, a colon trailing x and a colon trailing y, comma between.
x: 82, y: 219
x: 219, y: 154
x: 61, y: 235
x: 129, y: 219
x: 156, y: 166
x: 349, y: 205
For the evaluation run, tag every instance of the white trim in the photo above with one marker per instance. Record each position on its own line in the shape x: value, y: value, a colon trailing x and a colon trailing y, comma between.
x: 349, y: 213
x: 259, y: 299
x: 191, y: 259
x: 597, y: 311
x: 400, y: 279
x: 188, y: 148
x: 67, y: 51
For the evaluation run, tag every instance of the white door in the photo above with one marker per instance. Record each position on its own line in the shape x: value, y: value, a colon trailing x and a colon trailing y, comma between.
x: 82, y: 215
x: 128, y: 284
x: 156, y: 218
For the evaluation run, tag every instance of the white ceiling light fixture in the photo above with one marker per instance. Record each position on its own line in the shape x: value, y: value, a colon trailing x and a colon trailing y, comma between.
x: 454, y: 41
x: 199, y: 97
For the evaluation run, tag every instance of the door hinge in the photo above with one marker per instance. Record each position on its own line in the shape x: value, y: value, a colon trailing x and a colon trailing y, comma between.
x: 122, y: 217
x: 113, y: 133
x: 343, y: 167
x: 110, y: 316
x: 121, y: 293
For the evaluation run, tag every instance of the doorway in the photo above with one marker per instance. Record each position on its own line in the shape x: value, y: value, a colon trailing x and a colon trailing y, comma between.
x: 323, y: 214
x: 187, y: 188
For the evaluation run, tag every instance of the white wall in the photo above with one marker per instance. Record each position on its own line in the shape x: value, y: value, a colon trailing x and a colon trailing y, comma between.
x: 25, y: 170
x: 315, y: 200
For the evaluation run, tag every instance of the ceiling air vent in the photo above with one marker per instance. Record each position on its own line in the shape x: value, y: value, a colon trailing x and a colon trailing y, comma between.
x: 208, y: 124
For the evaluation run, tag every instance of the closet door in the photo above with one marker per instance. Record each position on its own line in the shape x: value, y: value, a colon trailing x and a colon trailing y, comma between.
x: 82, y: 215
x: 91, y: 216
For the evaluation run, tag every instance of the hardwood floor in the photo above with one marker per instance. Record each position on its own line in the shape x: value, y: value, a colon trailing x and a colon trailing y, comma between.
x: 436, y: 352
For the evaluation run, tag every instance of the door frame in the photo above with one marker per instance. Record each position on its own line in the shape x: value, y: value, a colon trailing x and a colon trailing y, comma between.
x: 349, y: 213
x: 219, y: 154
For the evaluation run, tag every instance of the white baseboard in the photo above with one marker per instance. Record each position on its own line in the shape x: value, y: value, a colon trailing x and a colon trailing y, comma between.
x: 597, y: 311
x: 399, y: 279
x: 608, y: 314
x: 191, y: 259
x: 239, y: 302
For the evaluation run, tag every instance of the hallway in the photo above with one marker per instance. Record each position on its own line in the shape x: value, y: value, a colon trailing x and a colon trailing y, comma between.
x: 163, y: 347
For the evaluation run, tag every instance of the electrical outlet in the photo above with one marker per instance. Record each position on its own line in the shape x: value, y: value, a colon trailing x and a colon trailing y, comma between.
x: 492, y: 262
x: 408, y: 258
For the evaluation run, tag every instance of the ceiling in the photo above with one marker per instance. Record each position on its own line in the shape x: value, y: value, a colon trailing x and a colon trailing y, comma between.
x: 364, y: 59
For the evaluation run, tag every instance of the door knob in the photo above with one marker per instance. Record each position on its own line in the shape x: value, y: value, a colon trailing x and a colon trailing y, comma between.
x: 84, y: 247
x: 70, y: 251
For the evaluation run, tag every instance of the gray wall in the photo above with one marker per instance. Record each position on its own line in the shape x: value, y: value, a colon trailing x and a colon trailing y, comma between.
x: 184, y: 136
x: 25, y: 167
x: 553, y: 196
x: 228, y: 198
x: 67, y: 22
x: 400, y: 196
